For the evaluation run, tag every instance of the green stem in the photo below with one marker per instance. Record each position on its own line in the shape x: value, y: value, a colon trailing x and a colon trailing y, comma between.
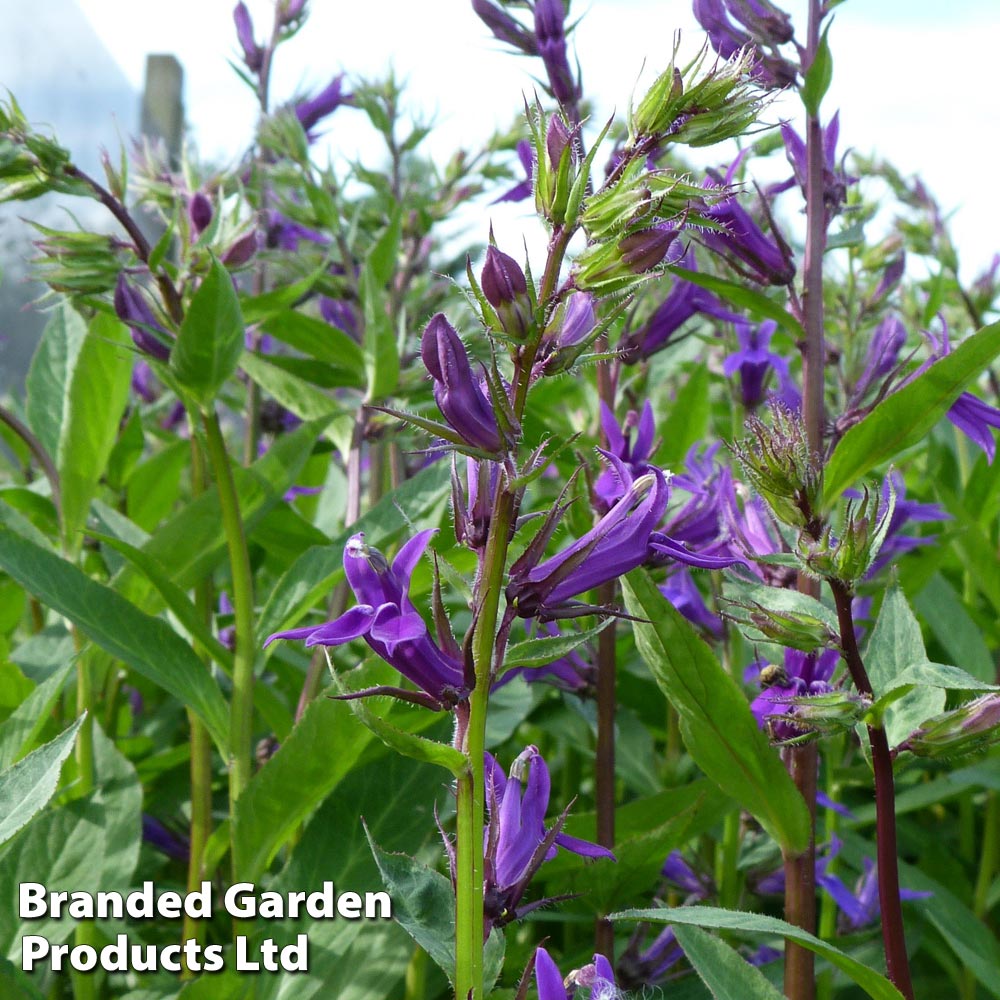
x: 201, y: 744
x: 241, y: 704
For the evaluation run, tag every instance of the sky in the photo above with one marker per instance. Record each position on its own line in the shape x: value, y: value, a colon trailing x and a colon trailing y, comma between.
x: 914, y: 79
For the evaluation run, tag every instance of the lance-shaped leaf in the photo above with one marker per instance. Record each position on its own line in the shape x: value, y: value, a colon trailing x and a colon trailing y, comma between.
x: 718, y: 728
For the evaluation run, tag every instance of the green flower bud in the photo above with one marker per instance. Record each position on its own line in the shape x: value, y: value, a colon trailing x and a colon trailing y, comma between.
x: 793, y: 629
x: 964, y: 730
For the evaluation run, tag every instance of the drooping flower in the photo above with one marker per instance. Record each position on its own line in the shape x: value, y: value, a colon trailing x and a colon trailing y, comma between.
x: 523, y: 188
x: 761, y: 26
x: 460, y: 396
x: 147, y: 333
x: 599, y: 977
x: 312, y: 111
x: 618, y: 543
x: 835, y: 179
x: 505, y: 28
x: 766, y: 259
x: 516, y: 841
x: 680, y: 589
x: 387, y: 620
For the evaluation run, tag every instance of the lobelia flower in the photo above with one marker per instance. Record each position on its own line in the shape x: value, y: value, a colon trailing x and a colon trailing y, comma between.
x: 741, y: 240
x: 858, y: 908
x: 684, y: 301
x: 523, y: 188
x: 599, y: 977
x: 253, y: 54
x: 387, y: 620
x: 199, y: 212
x: 887, y: 341
x: 147, y: 334
x: 516, y: 841
x: 143, y: 384
x: 461, y: 398
x: 633, y: 454
x: 312, y: 111
x: 285, y: 234
x: 173, y: 845
x: 505, y: 28
x: 506, y: 289
x: 683, y: 593
x: 342, y: 315
x: 753, y: 361
x: 566, y: 336
x: 835, y: 180
x: 618, y: 543
x: 550, y: 34
x: 803, y: 674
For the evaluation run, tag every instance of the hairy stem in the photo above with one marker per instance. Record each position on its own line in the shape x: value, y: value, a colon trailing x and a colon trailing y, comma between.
x: 893, y: 938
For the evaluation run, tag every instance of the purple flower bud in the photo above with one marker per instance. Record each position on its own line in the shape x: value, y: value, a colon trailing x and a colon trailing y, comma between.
x: 242, y: 251
x: 550, y: 31
x: 311, y: 112
x: 646, y: 249
x: 142, y: 382
x: 505, y: 28
x: 290, y: 10
x: 147, y: 334
x: 342, y: 315
x: 558, y: 138
x: 505, y: 288
x: 460, y: 397
x: 199, y: 212
x: 763, y: 20
x: 522, y: 189
x: 890, y: 277
x: 253, y: 54
x: 887, y: 341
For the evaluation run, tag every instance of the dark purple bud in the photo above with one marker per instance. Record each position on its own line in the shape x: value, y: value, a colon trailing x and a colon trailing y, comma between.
x: 460, y: 396
x: 242, y: 251
x: 890, y: 277
x: 558, y: 138
x: 505, y: 28
x: 502, y: 279
x: 171, y: 844
x: 763, y: 20
x: 253, y: 54
x: 147, y: 334
x: 290, y: 10
x: 887, y: 341
x: 644, y: 250
x: 310, y: 113
x: 199, y: 212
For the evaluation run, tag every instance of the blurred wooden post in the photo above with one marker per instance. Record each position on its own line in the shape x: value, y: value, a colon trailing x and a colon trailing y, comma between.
x: 163, y: 103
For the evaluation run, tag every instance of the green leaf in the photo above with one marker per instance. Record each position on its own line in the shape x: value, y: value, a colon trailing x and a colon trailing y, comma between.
x: 896, y: 644
x: 21, y: 728
x: 905, y: 417
x: 26, y: 787
x: 818, y: 76
x: 95, y: 401
x: 208, y: 348
x: 51, y: 374
x: 718, y: 728
x: 544, y: 649
x: 86, y: 845
x: 423, y: 902
x: 687, y: 418
x: 876, y: 986
x: 754, y: 302
x: 724, y: 971
x: 942, y: 609
x: 382, y: 256
x: 146, y: 644
x: 319, y: 752
x: 318, y: 339
x: 295, y: 394
x: 379, y: 345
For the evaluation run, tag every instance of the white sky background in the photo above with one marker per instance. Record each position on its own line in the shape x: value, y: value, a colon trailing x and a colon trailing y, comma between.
x: 914, y: 79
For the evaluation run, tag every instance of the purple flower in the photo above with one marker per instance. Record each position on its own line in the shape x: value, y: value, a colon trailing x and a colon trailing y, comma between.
x: 473, y: 506
x: 506, y: 289
x: 312, y: 111
x: 904, y: 512
x: 523, y: 188
x: 505, y: 28
x: 253, y: 54
x: 803, y: 674
x: 147, y: 334
x: 341, y: 314
x: 618, y: 543
x: 285, y: 234
x: 768, y: 26
x: 680, y: 874
x: 887, y: 341
x: 199, y: 212
x: 835, y: 180
x: 227, y: 634
x: 173, y: 845
x: 516, y: 841
x: 461, y: 398
x: 634, y: 454
x: 741, y: 240
x: 753, y: 361
x: 550, y: 33
x: 566, y: 336
x: 387, y: 620
x: 682, y: 592
x: 143, y: 383
x: 599, y: 977
x: 684, y: 300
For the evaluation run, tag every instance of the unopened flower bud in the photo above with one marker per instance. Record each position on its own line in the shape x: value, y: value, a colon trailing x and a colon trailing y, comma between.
x: 793, y: 629
x: 290, y: 11
x: 147, y: 334
x: 242, y: 251
x: 199, y: 212
x: 965, y: 730
x: 558, y: 138
x: 644, y: 250
x: 253, y: 54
